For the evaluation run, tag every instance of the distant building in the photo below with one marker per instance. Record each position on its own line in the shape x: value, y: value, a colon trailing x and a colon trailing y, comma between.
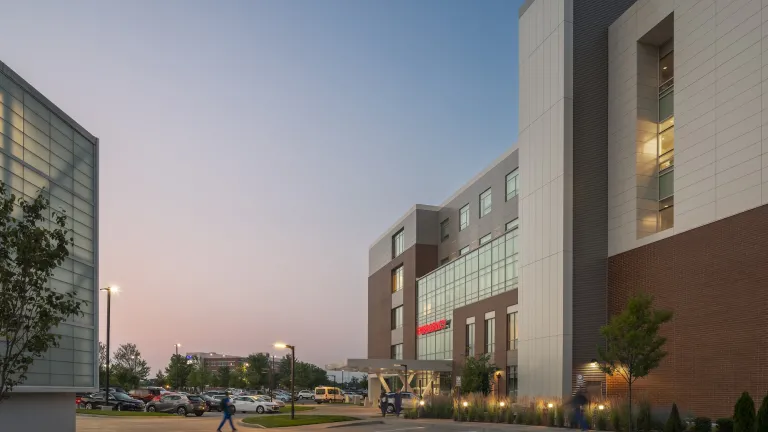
x: 213, y: 361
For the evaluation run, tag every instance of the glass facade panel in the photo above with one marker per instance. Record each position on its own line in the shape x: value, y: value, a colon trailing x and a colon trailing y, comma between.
x: 464, y: 250
x: 666, y: 140
x: 485, y: 239
x: 444, y: 230
x: 512, y: 331
x: 396, y: 352
x: 490, y: 336
x: 397, y: 317
x: 36, y: 151
x: 464, y: 217
x: 469, y: 349
x: 485, y: 202
x: 397, y: 279
x: 512, y: 383
x: 488, y: 270
x: 398, y: 243
x: 666, y: 185
x: 512, y: 179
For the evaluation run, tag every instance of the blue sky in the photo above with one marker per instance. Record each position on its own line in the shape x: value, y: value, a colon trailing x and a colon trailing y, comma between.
x: 252, y: 150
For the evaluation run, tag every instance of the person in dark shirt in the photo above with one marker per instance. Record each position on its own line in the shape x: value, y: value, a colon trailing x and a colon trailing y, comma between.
x: 383, y: 403
x: 226, y: 409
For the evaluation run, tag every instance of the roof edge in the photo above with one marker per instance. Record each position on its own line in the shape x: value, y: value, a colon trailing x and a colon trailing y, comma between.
x: 402, y: 218
x: 479, y: 175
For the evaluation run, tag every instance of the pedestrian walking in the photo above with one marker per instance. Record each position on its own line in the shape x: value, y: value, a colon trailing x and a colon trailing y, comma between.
x: 226, y: 408
x: 577, y: 402
x: 398, y: 403
x: 383, y: 402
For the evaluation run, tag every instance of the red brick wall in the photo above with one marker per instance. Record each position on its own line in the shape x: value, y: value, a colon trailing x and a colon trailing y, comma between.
x: 715, y: 280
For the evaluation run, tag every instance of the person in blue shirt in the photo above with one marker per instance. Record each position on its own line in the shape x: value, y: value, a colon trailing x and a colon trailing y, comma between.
x: 226, y: 408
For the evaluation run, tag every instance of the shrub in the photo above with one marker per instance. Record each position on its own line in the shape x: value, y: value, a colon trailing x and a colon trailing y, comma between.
x: 674, y: 424
x: 551, y: 417
x: 762, y: 416
x: 616, y: 419
x: 744, y: 414
x: 601, y: 422
x: 643, y: 420
x: 559, y: 416
x: 724, y: 425
x: 486, y: 417
x: 702, y: 424
x: 537, y: 418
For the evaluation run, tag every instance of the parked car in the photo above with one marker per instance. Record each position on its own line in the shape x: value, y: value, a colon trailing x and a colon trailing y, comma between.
x: 408, y: 400
x: 120, y: 402
x: 172, y: 403
x: 246, y: 404
x: 79, y: 398
x: 115, y: 389
x: 218, y: 399
x: 269, y: 399
x: 211, y: 403
x: 147, y: 394
x: 306, y: 394
x: 199, y: 404
x: 328, y: 395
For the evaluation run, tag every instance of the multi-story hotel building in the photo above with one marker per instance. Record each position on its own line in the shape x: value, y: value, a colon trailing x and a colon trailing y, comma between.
x: 42, y: 148
x: 641, y: 166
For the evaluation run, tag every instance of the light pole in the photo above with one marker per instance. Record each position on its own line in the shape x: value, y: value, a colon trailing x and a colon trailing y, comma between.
x: 293, y: 364
x: 176, y: 371
x: 109, y: 291
x: 405, y: 367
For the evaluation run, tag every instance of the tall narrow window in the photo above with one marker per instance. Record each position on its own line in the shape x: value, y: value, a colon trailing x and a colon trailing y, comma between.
x: 469, y: 349
x: 511, y: 331
x: 397, y: 317
x: 396, y: 352
x: 397, y: 279
x: 512, y: 383
x: 464, y: 217
x: 666, y: 139
x: 490, y: 335
x: 485, y: 202
x: 398, y: 243
x: 444, y: 230
x: 512, y: 184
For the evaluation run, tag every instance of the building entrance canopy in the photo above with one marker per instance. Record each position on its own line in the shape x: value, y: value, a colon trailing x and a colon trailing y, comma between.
x: 390, y: 366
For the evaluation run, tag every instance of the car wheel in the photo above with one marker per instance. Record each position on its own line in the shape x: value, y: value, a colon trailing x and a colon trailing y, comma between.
x: 198, y: 413
x: 89, y: 406
x: 151, y: 408
x: 260, y: 410
x: 390, y: 409
x: 182, y: 411
x: 119, y: 407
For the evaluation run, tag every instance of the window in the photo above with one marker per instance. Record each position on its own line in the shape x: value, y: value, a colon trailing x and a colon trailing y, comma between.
x: 397, y: 279
x: 469, y: 349
x: 511, y: 331
x: 512, y: 184
x: 397, y: 352
x: 397, y: 317
x: 485, y: 202
x: 490, y: 336
x: 485, y: 239
x: 464, y: 217
x: 666, y: 139
x: 444, y: 230
x: 511, y: 225
x: 464, y: 250
x: 398, y: 243
x: 512, y: 382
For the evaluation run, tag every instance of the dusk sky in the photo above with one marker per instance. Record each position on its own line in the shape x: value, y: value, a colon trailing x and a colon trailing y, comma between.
x: 251, y: 151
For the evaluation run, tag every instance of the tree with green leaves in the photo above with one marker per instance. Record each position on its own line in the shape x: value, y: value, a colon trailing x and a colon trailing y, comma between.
x: 674, y: 423
x: 257, y: 371
x: 199, y: 376
x: 633, y: 346
x: 130, y: 369
x: 177, y: 371
x: 744, y: 414
x: 160, y: 379
x: 762, y: 416
x: 223, y: 376
x: 30, y: 249
x: 477, y: 375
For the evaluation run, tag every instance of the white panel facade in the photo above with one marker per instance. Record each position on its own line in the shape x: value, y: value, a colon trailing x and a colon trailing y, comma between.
x: 721, y: 143
x: 545, y: 142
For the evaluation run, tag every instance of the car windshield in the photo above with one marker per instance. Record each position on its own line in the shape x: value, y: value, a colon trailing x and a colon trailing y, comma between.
x: 122, y: 396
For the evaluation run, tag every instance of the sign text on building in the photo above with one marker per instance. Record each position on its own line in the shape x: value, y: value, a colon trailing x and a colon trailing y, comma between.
x: 433, y: 327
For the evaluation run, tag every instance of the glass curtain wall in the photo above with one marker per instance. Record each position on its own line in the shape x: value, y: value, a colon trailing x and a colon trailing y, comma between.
x: 666, y: 141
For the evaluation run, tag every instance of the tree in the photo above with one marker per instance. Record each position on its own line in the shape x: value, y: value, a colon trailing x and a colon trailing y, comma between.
x: 354, y: 382
x: 744, y: 414
x: 364, y: 382
x: 477, y: 375
x: 674, y: 423
x: 199, y: 375
x: 762, y: 416
x: 177, y: 371
x: 257, y: 371
x: 160, y: 379
x: 633, y: 346
x: 223, y: 376
x: 130, y: 368
x: 29, y: 307
x: 102, y: 363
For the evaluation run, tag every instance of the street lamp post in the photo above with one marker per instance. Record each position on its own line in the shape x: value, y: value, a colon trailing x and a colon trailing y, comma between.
x: 109, y: 328
x: 293, y: 364
x: 176, y: 372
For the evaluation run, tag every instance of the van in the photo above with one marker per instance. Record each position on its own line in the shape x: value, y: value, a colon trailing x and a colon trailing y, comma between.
x: 328, y: 395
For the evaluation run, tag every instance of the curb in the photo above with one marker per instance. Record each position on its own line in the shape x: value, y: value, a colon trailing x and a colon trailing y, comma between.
x: 248, y: 425
x: 356, y: 423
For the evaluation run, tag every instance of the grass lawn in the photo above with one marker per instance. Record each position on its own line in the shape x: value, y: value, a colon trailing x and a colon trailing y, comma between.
x: 287, y: 408
x: 302, y: 420
x: 123, y: 413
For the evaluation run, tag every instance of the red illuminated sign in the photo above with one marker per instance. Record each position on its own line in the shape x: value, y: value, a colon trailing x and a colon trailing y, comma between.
x: 433, y: 327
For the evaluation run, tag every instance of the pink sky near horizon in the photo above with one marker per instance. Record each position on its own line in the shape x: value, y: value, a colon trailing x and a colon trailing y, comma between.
x: 250, y: 152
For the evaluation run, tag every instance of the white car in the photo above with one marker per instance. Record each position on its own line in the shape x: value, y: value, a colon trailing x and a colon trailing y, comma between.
x: 246, y: 404
x: 269, y: 399
x: 306, y: 394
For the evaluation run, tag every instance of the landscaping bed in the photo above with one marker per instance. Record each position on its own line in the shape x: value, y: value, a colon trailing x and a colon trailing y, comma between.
x: 276, y: 421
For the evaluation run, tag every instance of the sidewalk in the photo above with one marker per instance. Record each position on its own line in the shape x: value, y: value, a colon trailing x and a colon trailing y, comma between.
x: 475, y: 426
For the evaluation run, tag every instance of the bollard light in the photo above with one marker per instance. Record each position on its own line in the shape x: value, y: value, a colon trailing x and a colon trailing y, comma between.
x: 465, y: 404
x: 421, y: 402
x: 601, y: 407
x: 501, y: 404
x: 550, y: 405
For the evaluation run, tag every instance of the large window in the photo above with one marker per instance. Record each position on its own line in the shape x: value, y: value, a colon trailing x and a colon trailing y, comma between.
x: 666, y: 138
x: 512, y: 184
x: 490, y: 335
x: 512, y: 331
x: 512, y: 383
x: 485, y: 202
x: 397, y: 317
x: 444, y: 230
x: 396, y: 352
x: 397, y: 279
x: 398, y: 243
x: 464, y: 217
x: 469, y: 348
x: 486, y: 271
